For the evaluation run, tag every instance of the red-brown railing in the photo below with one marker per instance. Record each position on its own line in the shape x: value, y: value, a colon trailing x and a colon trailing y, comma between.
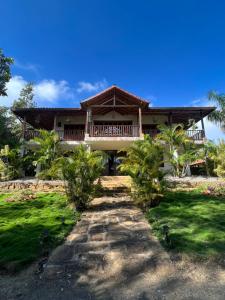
x: 109, y: 131
x: 196, y: 135
x: 29, y: 134
x: 114, y: 130
x: 64, y: 135
x: 71, y: 134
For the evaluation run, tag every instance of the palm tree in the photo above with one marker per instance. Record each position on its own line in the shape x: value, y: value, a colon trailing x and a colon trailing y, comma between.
x: 79, y: 170
x: 218, y: 116
x: 142, y: 163
x: 46, y: 152
x: 178, y: 146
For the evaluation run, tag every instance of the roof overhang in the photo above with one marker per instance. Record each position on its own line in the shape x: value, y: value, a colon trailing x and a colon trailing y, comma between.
x: 44, y: 117
x: 181, y: 114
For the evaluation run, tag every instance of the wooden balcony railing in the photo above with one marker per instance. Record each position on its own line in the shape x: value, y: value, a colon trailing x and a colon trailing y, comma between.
x: 64, y: 135
x: 196, y: 135
x: 71, y: 134
x: 30, y: 134
x: 109, y: 131
x: 114, y: 130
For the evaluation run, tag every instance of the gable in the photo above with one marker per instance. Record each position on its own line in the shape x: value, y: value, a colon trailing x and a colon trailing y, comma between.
x: 114, y: 96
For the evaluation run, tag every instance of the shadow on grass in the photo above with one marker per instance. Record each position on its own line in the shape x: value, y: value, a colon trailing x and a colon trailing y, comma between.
x: 28, y: 229
x: 196, y: 223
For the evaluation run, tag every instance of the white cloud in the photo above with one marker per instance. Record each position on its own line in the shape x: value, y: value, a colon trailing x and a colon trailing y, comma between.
x: 28, y: 66
x: 46, y: 91
x: 89, y: 87
x: 51, y: 91
x: 14, y: 87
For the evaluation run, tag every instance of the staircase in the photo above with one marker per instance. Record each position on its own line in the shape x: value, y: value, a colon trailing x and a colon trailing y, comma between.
x: 116, y: 184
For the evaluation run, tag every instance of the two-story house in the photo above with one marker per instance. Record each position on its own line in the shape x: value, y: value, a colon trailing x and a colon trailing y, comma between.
x: 110, y: 121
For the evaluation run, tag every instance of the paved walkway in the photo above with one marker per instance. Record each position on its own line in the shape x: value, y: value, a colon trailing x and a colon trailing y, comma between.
x: 110, y: 254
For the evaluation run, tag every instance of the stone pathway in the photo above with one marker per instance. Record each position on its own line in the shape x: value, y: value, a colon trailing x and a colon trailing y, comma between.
x: 110, y: 254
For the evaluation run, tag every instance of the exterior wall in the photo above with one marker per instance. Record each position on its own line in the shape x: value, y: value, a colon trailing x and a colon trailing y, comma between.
x: 111, y: 116
x: 66, y: 120
x: 114, y: 116
x: 151, y: 119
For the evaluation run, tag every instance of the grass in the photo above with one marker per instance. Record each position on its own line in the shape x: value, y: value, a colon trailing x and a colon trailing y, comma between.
x: 196, y: 222
x: 30, y: 228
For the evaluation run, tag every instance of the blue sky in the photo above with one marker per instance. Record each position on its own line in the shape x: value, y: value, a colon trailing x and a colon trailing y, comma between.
x: 170, y: 52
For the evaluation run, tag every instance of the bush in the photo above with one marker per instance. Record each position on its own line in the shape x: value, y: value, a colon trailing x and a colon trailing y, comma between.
x: 80, y: 169
x: 143, y: 163
x: 10, y: 163
x: 220, y: 159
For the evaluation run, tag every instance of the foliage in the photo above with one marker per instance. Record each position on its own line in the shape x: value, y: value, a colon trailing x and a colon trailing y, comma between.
x: 7, y: 134
x: 23, y: 224
x: 21, y: 195
x: 207, y: 152
x: 217, y: 190
x: 196, y: 223
x: 26, y: 97
x: 10, y: 163
x: 46, y: 152
x: 179, y: 149
x: 80, y: 169
x: 218, y: 116
x: 5, y: 73
x: 142, y: 163
x: 219, y: 158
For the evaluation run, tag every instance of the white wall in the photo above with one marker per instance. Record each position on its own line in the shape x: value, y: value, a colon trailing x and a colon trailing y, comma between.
x: 111, y: 116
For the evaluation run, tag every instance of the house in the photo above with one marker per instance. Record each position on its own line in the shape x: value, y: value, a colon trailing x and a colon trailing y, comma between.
x: 110, y: 121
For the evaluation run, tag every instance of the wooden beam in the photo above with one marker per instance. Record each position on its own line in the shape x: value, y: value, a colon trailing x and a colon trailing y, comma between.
x: 97, y: 106
x: 140, y: 121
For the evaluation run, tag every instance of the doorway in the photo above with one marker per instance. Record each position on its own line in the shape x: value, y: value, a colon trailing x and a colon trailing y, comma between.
x: 112, y: 163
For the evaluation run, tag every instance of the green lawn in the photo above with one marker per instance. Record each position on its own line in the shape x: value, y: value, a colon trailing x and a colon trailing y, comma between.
x: 30, y: 228
x: 196, y: 221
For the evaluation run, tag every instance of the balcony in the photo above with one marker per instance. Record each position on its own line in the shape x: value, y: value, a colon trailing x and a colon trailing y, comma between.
x: 109, y: 131
x: 114, y: 131
x: 64, y: 135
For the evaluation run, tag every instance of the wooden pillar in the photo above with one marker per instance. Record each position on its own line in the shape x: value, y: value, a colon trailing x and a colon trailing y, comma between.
x: 170, y: 119
x: 202, y: 123
x: 24, y: 125
x: 54, y: 126
x: 86, y: 123
x: 140, y: 121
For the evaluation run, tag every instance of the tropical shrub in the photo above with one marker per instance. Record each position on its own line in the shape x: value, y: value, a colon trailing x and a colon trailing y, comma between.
x: 207, y: 152
x: 142, y: 163
x: 219, y: 158
x: 179, y: 149
x: 10, y: 163
x: 79, y: 170
x: 46, y: 152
